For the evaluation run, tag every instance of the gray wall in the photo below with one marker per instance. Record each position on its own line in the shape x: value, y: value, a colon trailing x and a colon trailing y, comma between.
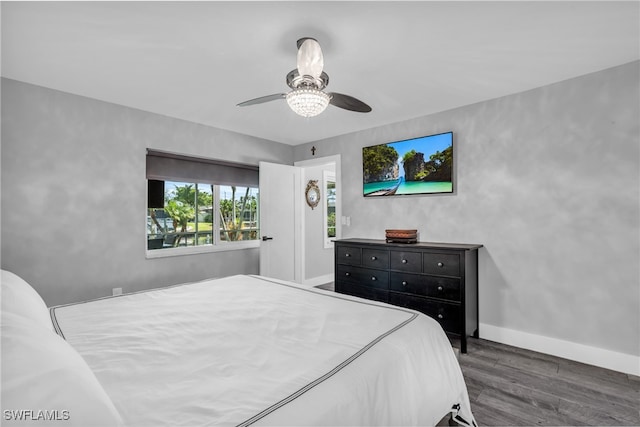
x: 548, y: 181
x: 74, y: 193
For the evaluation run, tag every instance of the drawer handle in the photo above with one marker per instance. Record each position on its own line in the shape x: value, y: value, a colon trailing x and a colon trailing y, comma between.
x: 347, y: 274
x: 440, y: 265
x: 440, y: 316
x: 439, y: 288
x: 373, y: 278
x: 373, y: 258
x: 404, y: 261
x: 404, y: 283
x: 347, y: 254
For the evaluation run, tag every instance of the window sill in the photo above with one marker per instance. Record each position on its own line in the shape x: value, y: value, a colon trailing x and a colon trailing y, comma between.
x: 204, y: 249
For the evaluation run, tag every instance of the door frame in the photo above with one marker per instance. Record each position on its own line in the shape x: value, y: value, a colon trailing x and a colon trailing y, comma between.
x: 336, y: 161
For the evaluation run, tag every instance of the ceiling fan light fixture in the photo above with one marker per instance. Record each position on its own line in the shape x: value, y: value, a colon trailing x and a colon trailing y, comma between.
x: 307, y: 80
x: 308, y: 102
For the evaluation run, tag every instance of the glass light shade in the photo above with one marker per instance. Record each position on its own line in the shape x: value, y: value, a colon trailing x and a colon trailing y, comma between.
x: 308, y: 102
x: 310, y: 60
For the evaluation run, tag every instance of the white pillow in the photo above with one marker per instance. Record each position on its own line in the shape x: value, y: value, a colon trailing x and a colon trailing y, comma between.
x: 20, y: 298
x: 46, y: 382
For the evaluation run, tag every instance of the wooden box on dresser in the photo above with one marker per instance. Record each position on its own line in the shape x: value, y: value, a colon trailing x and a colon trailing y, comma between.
x: 438, y: 279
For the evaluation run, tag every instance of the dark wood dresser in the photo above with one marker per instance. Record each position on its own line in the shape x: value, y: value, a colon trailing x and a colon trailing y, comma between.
x: 438, y: 279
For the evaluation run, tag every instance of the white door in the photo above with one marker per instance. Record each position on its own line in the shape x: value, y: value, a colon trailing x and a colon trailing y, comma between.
x: 279, y: 220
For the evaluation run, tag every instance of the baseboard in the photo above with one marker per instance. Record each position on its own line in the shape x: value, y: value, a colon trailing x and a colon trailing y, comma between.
x: 595, y: 356
x: 319, y: 280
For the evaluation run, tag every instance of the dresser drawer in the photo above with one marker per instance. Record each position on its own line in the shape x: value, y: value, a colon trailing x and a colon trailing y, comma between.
x: 428, y: 286
x: 439, y: 263
x: 406, y: 261
x: 447, y: 314
x: 375, y: 258
x: 349, y: 255
x: 362, y: 291
x: 363, y: 276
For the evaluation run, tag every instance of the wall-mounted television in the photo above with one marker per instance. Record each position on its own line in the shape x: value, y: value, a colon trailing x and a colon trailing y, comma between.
x: 413, y: 166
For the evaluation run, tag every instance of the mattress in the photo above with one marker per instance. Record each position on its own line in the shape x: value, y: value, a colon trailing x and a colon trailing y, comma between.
x: 249, y: 350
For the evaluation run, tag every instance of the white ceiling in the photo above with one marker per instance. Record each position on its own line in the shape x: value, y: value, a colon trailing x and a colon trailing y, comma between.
x: 197, y: 60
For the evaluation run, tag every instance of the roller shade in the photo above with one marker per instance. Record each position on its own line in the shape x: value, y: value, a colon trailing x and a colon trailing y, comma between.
x: 176, y: 167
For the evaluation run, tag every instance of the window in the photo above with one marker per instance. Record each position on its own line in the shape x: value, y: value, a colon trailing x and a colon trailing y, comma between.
x: 329, y: 181
x: 199, y: 204
x: 238, y: 213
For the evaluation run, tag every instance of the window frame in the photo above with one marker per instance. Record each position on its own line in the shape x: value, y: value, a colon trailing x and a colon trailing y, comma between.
x: 217, y: 244
x: 327, y: 177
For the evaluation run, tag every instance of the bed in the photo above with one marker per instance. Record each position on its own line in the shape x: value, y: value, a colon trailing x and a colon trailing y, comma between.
x: 236, y: 351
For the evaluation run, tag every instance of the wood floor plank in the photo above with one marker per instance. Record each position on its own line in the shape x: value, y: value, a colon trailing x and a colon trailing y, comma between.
x: 616, y: 406
x: 486, y: 416
x: 529, y: 364
x: 532, y: 408
x: 568, y: 367
x: 517, y: 381
x: 474, y: 386
x: 590, y: 415
x: 511, y: 386
x: 599, y: 379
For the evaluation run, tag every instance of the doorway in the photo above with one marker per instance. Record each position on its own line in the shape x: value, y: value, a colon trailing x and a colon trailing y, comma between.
x: 294, y: 235
x: 320, y: 226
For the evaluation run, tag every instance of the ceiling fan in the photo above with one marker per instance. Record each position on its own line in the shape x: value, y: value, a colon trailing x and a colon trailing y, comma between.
x: 307, y: 82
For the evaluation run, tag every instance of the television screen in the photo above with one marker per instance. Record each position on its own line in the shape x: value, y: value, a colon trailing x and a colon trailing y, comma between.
x: 413, y: 166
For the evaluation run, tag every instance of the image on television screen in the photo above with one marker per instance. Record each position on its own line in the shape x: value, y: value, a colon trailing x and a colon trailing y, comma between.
x: 414, y: 166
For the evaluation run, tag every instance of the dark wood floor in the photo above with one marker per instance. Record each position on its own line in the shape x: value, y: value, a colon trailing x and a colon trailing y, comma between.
x: 510, y: 386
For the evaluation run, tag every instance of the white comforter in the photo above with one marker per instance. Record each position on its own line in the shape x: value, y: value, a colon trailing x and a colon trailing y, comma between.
x: 247, y: 349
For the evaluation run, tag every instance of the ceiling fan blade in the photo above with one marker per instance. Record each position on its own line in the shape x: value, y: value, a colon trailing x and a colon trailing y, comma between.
x: 348, y: 103
x: 310, y: 60
x: 262, y: 99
